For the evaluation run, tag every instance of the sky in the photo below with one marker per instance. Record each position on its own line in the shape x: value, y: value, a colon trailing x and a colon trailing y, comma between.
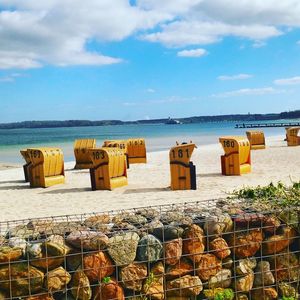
x: 145, y: 59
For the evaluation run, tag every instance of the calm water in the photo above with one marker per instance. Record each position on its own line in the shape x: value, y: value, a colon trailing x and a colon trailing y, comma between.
x: 159, y: 137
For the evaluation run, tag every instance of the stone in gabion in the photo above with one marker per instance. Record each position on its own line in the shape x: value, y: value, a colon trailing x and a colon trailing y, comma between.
x: 183, y: 267
x: 24, y: 279
x: 186, y: 286
x: 87, y: 240
x: 57, y: 279
x: 263, y: 274
x: 245, y: 283
x: 97, y: 265
x: 221, y: 280
x: 8, y: 254
x: 172, y: 251
x: 218, y: 224
x: 219, y: 248
x: 208, y: 266
x: 168, y: 232
x: 122, y: 248
x: 133, y: 275
x: 267, y: 293
x: 193, y: 242
x: 149, y: 249
x: 109, y: 289
x: 81, y: 288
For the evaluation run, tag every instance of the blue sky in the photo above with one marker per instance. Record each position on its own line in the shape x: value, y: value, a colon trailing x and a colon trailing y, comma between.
x: 146, y: 59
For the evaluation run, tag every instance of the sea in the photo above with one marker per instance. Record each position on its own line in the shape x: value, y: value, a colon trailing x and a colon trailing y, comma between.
x: 158, y: 136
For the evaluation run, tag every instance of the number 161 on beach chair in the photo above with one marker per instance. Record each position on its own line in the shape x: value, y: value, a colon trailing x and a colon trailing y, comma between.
x: 183, y: 171
x: 237, y: 157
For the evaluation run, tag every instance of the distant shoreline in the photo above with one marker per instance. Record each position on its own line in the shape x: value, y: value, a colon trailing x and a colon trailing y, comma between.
x: 197, y: 119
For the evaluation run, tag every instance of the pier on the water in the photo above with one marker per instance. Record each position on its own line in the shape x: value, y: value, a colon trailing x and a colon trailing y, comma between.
x: 265, y: 125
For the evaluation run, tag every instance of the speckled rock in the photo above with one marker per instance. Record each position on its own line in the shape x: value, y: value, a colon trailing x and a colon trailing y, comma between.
x: 23, y: 278
x: 109, y: 290
x: 263, y: 274
x: 221, y: 280
x: 219, y: 248
x: 97, y: 265
x: 271, y: 224
x: 245, y: 283
x: 136, y: 220
x: 287, y: 290
x: 218, y: 224
x: 154, y: 287
x: 286, y: 266
x: 133, y: 275
x: 16, y: 242
x: 122, y: 247
x: 267, y: 293
x: 186, y: 286
x: 87, y: 240
x: 168, y: 232
x: 193, y: 242
x: 97, y: 221
x: 57, y: 280
x: 8, y: 254
x: 158, y: 268
x: 80, y: 284
x: 277, y: 243
x: 246, y: 244
x: 148, y: 212
x: 172, y: 251
x: 245, y: 266
x: 183, y: 267
x: 208, y: 266
x: 249, y: 220
x: 53, y: 255
x: 149, y: 249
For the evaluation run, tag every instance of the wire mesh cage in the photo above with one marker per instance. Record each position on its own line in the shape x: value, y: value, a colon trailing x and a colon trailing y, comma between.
x: 201, y: 250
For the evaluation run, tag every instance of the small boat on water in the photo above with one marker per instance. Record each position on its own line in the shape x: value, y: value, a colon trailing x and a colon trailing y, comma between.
x: 172, y: 122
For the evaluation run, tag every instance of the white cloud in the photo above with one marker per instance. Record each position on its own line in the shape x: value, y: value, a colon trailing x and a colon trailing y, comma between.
x: 149, y: 90
x: 298, y: 43
x: 192, y: 53
x: 59, y: 32
x: 288, y: 81
x: 249, y: 92
x: 7, y: 79
x: 235, y: 77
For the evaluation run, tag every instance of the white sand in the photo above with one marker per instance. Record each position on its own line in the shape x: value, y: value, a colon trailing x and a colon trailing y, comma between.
x: 148, y: 183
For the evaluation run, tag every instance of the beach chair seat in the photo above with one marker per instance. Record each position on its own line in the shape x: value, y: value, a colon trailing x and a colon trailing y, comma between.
x: 81, y: 153
x: 183, y: 171
x: 292, y: 136
x: 26, y: 167
x: 237, y: 157
x: 47, y: 167
x: 121, y: 145
x: 136, y: 151
x: 109, y: 168
x: 256, y: 139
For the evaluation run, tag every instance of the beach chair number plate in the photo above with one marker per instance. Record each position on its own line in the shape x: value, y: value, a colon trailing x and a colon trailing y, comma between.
x: 228, y: 144
x: 181, y: 153
x: 98, y: 155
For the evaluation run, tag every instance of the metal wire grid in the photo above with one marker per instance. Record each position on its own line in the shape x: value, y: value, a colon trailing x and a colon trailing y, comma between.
x: 245, y: 219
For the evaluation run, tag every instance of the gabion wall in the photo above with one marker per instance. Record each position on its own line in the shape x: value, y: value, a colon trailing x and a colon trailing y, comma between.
x: 203, y: 250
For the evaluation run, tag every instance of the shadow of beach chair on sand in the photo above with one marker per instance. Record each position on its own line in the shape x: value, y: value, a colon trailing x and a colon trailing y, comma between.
x: 183, y: 171
x: 109, y: 168
x: 26, y: 167
x: 237, y: 157
x: 81, y: 152
x: 257, y: 140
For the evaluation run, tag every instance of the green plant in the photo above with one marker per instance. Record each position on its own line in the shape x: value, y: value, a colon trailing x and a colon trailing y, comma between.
x: 226, y: 294
x: 106, y: 279
x: 288, y: 298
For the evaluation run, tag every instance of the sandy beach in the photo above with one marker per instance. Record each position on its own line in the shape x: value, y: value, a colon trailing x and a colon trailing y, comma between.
x: 148, y: 183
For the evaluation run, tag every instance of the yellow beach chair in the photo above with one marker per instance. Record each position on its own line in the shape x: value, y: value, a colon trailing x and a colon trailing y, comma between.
x: 120, y: 144
x: 256, y: 139
x: 26, y: 167
x: 237, y: 157
x: 292, y: 136
x: 47, y: 167
x: 109, y: 168
x: 136, y: 151
x: 183, y: 171
x: 81, y: 153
